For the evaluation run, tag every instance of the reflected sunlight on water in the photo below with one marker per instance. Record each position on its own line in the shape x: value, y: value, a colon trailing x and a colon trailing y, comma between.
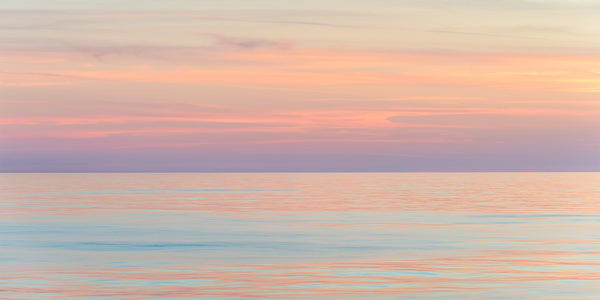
x: 300, y: 235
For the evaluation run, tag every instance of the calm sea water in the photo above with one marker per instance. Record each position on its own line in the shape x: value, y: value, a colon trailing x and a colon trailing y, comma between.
x: 300, y: 235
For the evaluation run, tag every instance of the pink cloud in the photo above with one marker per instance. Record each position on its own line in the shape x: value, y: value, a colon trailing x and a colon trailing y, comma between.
x: 321, y: 67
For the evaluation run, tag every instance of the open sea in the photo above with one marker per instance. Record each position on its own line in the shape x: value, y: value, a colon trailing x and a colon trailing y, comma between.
x: 300, y: 236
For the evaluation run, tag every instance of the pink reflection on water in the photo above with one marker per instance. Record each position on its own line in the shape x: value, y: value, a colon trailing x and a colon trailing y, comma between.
x: 485, y: 193
x: 522, y: 257
x: 508, y: 272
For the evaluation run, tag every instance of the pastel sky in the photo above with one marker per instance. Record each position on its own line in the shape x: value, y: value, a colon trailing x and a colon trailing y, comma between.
x: 379, y: 85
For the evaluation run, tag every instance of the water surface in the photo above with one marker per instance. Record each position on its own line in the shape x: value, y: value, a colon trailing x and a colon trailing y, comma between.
x: 300, y: 235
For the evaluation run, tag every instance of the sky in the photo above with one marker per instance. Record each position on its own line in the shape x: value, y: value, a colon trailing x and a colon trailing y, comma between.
x: 380, y: 85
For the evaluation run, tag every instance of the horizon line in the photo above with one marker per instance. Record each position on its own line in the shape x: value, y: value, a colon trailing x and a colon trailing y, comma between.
x: 329, y: 171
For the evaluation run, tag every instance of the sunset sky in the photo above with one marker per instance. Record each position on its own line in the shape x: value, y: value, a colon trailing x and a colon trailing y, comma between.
x: 181, y: 85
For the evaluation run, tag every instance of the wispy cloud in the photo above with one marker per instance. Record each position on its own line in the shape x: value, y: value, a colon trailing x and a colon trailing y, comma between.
x: 324, y: 67
x: 384, y: 79
x: 249, y: 43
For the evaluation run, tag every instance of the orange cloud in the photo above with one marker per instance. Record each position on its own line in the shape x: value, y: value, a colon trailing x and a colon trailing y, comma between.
x: 322, y: 67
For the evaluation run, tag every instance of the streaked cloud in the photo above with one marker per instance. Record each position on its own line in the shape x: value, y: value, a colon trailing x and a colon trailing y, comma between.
x: 384, y: 82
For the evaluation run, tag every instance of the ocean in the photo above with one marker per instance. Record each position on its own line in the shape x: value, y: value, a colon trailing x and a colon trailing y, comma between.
x: 300, y: 236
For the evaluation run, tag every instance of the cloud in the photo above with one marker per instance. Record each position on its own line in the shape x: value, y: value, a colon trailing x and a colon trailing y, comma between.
x: 100, y: 53
x: 318, y: 68
x: 242, y: 61
x: 31, y: 79
x: 512, y: 4
x: 249, y: 43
